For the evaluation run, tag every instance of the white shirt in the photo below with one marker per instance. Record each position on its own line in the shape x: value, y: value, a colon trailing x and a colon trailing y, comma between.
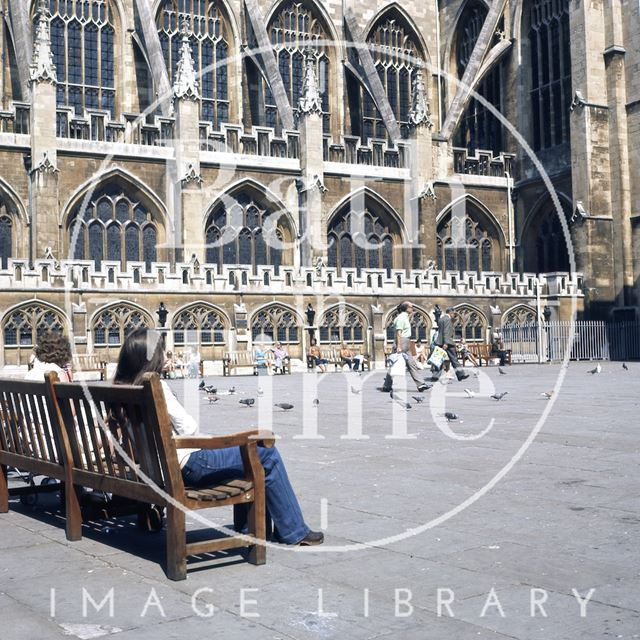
x: 36, y: 374
x: 182, y: 422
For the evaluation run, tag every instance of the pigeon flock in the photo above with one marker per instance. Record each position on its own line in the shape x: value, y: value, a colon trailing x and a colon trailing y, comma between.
x: 213, y: 394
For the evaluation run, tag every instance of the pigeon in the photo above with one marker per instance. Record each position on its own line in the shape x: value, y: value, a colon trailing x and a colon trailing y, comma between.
x: 248, y: 402
x: 597, y: 369
x: 316, y: 402
x: 625, y: 367
x: 502, y: 371
x: 201, y: 385
x: 232, y: 390
x: 450, y: 416
x: 418, y: 399
x: 212, y: 397
x: 207, y: 388
x: 547, y: 394
x: 499, y: 396
x: 402, y: 403
x: 285, y: 406
x: 476, y: 374
x: 260, y: 391
x: 354, y: 390
x: 425, y: 387
x: 470, y: 394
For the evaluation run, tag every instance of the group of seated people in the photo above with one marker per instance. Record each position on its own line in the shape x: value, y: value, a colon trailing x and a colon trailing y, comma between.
x: 175, y: 363
x: 280, y: 357
x: 348, y: 357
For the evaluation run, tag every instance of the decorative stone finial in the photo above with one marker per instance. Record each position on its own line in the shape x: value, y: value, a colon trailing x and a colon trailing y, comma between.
x: 419, y: 114
x: 42, y: 68
x: 578, y: 101
x: 428, y: 192
x: 185, y: 84
x: 191, y: 176
x: 310, y: 101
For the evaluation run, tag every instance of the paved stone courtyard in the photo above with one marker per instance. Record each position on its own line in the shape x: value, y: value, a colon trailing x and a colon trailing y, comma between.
x: 429, y: 532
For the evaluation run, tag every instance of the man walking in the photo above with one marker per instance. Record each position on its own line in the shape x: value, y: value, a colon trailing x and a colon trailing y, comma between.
x: 447, y: 341
x: 402, y: 327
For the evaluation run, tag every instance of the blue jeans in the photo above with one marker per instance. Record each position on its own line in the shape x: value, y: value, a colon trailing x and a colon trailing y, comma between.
x: 208, y: 467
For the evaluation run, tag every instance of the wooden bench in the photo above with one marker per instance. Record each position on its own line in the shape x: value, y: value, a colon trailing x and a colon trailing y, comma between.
x: 239, y: 359
x: 29, y: 440
x: 332, y: 356
x: 118, y: 439
x: 482, y: 351
x: 90, y: 363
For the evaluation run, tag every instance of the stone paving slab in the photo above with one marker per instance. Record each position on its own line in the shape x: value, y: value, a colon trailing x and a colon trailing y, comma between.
x: 566, y: 516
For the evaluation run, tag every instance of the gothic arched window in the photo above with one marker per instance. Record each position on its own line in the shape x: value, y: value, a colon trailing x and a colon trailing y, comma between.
x: 518, y: 316
x: 361, y: 240
x: 342, y: 325
x: 275, y: 324
x: 83, y: 45
x: 292, y: 30
x: 550, y: 72
x: 551, y: 246
x: 420, y: 327
x: 113, y: 226
x: 23, y: 325
x: 462, y: 244
x: 200, y: 324
x: 210, y: 36
x: 396, y: 55
x: 469, y: 324
x: 242, y: 231
x: 112, y: 325
x: 478, y: 128
x: 6, y: 237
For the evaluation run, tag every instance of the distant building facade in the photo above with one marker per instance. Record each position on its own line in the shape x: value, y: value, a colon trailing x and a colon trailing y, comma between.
x: 238, y: 160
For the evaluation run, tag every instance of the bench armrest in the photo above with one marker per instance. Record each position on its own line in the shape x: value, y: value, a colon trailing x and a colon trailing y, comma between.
x: 264, y: 438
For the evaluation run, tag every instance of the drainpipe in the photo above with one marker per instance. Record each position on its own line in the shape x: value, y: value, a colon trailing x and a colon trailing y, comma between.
x: 510, y: 218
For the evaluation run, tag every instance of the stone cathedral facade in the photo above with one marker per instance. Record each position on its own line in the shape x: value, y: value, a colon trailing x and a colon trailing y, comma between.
x: 238, y: 160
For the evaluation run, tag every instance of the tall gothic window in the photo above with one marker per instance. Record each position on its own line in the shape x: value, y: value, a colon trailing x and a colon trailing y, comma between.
x: 342, y: 325
x: 25, y: 324
x: 199, y: 324
x: 82, y: 42
x: 420, y: 327
x: 113, y: 226
x: 292, y: 30
x: 276, y: 324
x: 478, y: 128
x: 469, y: 324
x: 112, y: 325
x: 395, y: 53
x: 210, y: 38
x: 550, y: 72
x: 361, y: 240
x: 464, y: 245
x: 551, y: 246
x: 6, y: 235
x: 243, y: 232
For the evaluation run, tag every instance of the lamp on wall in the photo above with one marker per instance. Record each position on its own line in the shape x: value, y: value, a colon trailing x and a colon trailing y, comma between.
x: 162, y: 314
x: 547, y: 314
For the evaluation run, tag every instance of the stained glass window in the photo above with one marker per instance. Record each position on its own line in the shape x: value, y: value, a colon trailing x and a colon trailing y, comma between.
x: 276, y: 324
x: 210, y: 36
x: 342, y: 324
x: 82, y: 42
x: 23, y: 324
x: 113, y: 226
x: 112, y: 325
x: 6, y: 238
x: 200, y: 324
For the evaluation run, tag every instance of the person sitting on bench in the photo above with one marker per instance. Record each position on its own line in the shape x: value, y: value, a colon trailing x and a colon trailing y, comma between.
x: 143, y: 352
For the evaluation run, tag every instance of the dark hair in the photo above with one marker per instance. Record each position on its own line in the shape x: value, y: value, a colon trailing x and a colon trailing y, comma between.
x: 142, y: 352
x: 53, y: 347
x: 403, y: 306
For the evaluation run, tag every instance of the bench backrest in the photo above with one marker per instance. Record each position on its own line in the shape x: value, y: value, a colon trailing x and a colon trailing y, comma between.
x: 27, y: 425
x: 239, y: 357
x: 118, y: 437
x: 88, y: 361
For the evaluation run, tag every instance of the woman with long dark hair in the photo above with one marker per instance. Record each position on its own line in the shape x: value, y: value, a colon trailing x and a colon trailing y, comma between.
x: 143, y: 352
